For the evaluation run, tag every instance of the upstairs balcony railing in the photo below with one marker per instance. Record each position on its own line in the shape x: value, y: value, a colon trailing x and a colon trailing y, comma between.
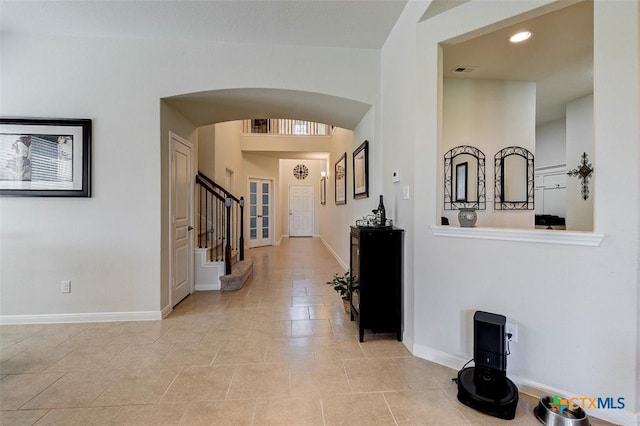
x: 281, y: 126
x: 220, y: 222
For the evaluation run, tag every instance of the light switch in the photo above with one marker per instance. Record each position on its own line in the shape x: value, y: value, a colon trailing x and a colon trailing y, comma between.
x: 405, y: 192
x: 395, y: 176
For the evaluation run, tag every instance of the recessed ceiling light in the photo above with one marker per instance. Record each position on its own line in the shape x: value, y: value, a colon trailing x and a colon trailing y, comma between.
x: 521, y: 36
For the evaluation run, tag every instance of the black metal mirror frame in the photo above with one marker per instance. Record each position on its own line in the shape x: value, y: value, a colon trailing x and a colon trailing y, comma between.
x: 449, y: 202
x: 499, y: 203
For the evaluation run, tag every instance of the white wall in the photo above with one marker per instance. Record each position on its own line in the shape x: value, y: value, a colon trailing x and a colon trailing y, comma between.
x: 551, y: 143
x: 517, y: 279
x: 616, y: 125
x: 579, y: 141
x: 489, y: 115
x: 398, y: 77
x: 113, y: 245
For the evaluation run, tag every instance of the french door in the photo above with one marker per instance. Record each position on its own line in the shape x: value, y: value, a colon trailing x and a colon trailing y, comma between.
x: 261, y: 205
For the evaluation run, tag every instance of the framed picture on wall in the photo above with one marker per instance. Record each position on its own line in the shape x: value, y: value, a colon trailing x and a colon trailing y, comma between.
x: 340, y: 172
x: 45, y: 158
x: 361, y: 171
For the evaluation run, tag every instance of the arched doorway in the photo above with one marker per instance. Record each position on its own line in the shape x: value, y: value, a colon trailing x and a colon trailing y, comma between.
x: 185, y: 114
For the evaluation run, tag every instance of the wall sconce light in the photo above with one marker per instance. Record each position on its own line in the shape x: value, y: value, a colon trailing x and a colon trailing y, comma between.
x: 323, y: 174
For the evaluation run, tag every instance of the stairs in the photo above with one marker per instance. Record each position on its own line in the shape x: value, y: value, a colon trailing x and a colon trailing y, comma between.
x: 219, y: 227
x: 207, y: 274
x: 240, y: 273
x: 210, y: 275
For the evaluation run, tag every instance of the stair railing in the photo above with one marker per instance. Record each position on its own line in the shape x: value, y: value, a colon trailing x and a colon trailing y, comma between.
x: 220, y: 221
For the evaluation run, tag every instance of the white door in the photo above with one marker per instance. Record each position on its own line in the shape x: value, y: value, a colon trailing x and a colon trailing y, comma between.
x: 260, y: 216
x: 300, y: 210
x: 181, y: 264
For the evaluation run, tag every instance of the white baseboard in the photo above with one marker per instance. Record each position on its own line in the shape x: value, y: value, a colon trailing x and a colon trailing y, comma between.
x: 526, y: 386
x: 344, y: 265
x: 166, y: 311
x: 407, y: 342
x: 85, y: 317
x: 208, y: 287
x: 439, y: 357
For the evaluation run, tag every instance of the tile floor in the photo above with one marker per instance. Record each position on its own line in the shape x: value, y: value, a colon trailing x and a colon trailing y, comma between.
x: 280, y: 351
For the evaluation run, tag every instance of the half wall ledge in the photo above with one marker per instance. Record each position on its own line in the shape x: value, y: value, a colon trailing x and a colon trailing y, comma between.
x: 572, y: 238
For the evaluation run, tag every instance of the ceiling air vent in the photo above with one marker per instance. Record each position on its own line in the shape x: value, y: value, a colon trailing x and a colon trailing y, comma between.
x: 462, y: 69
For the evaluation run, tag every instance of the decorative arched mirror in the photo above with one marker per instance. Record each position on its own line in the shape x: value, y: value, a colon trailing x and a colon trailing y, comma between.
x: 514, y: 179
x: 464, y: 181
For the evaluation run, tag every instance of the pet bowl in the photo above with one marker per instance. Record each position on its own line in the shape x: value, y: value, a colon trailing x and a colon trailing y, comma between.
x: 571, y: 416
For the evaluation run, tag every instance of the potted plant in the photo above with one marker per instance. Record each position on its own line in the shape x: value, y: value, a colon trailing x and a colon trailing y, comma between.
x: 340, y: 284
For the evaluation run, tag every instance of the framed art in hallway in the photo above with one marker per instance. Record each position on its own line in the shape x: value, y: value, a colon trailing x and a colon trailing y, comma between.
x: 340, y: 172
x: 45, y: 157
x: 361, y: 171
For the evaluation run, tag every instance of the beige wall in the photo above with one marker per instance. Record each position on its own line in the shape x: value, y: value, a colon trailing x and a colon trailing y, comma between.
x: 335, y: 220
x: 206, y: 150
x: 228, y: 154
x: 258, y: 166
x: 287, y: 179
x: 284, y: 143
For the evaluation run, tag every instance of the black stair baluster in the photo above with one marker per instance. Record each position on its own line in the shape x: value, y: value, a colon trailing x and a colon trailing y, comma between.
x: 241, y: 239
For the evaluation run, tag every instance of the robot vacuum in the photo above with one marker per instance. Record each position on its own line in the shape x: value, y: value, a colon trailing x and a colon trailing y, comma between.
x: 485, y: 387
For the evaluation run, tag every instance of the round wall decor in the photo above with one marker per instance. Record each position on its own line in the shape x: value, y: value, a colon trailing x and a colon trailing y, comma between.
x: 300, y: 171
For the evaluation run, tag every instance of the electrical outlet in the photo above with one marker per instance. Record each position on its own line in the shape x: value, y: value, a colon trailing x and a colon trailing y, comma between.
x: 66, y: 287
x: 513, y: 330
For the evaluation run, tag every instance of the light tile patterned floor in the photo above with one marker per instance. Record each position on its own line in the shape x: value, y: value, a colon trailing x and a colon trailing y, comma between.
x: 280, y: 351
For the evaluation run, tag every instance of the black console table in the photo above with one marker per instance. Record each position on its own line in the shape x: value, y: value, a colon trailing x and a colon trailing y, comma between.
x: 376, y: 263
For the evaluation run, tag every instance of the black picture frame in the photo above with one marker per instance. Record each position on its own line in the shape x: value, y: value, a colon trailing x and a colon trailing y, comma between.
x: 45, y: 157
x: 340, y: 173
x: 527, y: 190
x: 461, y: 182
x: 361, y: 171
x: 476, y: 191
